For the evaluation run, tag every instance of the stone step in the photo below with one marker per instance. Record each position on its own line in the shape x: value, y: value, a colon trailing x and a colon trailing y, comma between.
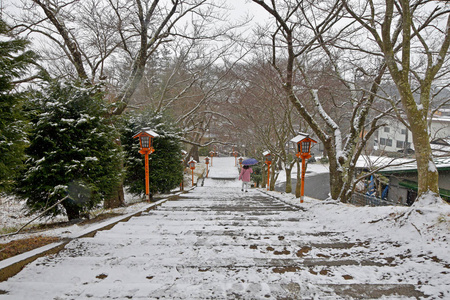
x: 179, y: 216
x: 213, y: 221
x: 205, y: 282
x: 372, y: 291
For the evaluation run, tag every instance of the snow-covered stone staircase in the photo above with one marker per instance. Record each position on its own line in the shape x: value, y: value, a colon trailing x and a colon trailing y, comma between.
x: 217, y: 242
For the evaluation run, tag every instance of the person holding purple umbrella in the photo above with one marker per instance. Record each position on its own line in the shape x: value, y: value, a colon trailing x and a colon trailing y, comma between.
x: 245, y: 176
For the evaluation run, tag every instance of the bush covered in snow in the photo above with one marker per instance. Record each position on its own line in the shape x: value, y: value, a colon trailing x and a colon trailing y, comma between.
x: 72, y: 150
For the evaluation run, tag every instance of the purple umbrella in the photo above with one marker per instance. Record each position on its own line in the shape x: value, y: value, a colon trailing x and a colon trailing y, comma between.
x: 249, y: 162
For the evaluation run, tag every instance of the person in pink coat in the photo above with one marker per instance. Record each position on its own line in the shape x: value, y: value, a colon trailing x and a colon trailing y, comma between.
x: 245, y: 176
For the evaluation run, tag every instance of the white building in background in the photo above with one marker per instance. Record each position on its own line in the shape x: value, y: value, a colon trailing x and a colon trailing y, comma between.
x: 440, y: 128
x: 395, y: 137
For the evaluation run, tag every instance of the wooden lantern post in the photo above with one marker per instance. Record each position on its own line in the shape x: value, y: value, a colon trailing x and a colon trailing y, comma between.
x: 303, y: 142
x: 192, y: 167
x: 235, y: 154
x: 211, y: 153
x: 146, y: 142
x: 240, y: 159
x: 268, y: 157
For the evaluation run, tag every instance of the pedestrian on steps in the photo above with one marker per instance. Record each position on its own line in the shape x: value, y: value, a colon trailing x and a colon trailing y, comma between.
x: 245, y: 176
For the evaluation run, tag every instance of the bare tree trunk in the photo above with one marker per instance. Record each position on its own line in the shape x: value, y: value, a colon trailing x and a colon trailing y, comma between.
x: 194, y: 153
x: 264, y: 176
x: 288, y: 181
x: 336, y: 180
x: 426, y: 169
x: 273, y: 177
x: 117, y: 199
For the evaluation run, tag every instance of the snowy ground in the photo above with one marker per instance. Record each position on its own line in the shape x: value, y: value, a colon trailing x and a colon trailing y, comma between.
x: 312, y: 169
x: 172, y: 253
x: 13, y: 216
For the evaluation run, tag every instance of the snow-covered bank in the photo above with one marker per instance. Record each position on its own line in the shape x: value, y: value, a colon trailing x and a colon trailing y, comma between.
x: 311, y: 170
x: 406, y: 224
x: 13, y: 216
x: 421, y: 233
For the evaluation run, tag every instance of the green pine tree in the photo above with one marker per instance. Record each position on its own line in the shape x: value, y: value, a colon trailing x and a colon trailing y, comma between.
x: 72, y: 151
x: 166, y: 171
x: 14, y: 60
x: 256, y: 175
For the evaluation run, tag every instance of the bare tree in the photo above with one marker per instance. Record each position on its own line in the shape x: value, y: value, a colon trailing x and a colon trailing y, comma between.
x: 305, y: 34
x: 92, y: 38
x: 266, y: 114
x: 196, y: 89
x: 413, y: 37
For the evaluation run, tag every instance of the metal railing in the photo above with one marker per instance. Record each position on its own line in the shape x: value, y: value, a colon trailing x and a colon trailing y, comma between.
x: 366, y: 200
